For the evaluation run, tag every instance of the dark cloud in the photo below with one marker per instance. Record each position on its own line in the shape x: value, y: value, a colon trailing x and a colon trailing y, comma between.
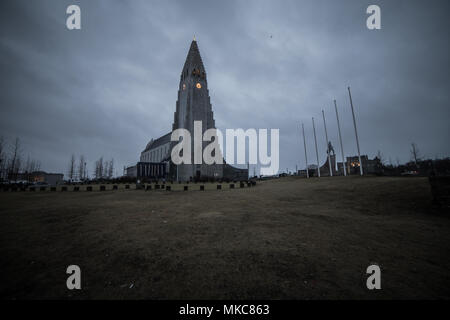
x: 107, y: 89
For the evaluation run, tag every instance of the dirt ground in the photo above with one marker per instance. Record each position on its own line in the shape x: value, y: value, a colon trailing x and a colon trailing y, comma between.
x: 290, y: 238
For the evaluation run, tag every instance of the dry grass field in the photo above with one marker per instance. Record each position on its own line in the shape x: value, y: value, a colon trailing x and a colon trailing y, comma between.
x: 290, y: 238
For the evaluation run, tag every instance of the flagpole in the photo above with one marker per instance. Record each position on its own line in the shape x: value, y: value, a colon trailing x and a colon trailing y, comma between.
x: 317, y: 152
x: 340, y: 139
x: 356, y: 132
x: 326, y: 138
x: 306, y: 155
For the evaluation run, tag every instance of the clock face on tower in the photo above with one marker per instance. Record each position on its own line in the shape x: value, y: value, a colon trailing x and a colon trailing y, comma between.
x: 198, y: 85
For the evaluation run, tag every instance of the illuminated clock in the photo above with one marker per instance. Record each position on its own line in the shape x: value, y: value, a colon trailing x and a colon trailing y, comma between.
x: 184, y: 86
x: 198, y: 85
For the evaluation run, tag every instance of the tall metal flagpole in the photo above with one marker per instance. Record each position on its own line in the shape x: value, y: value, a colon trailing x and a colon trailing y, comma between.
x: 317, y: 152
x: 340, y: 139
x: 326, y: 138
x: 356, y: 132
x: 306, y: 155
x: 248, y: 170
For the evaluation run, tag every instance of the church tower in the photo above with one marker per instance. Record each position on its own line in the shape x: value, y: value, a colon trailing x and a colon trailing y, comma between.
x: 194, y: 104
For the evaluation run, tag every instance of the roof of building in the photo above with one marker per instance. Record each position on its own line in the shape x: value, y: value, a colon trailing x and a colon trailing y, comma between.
x: 158, y: 142
x: 193, y: 58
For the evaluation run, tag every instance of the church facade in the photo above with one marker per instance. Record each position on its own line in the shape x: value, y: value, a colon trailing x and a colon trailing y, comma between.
x: 193, y: 104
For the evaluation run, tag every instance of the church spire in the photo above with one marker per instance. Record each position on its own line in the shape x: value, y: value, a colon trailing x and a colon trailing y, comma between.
x: 193, y: 59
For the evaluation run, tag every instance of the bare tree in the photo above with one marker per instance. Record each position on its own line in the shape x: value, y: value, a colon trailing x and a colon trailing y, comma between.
x: 35, y: 165
x: 18, y: 167
x: 415, y: 154
x: 380, y: 157
x: 27, y: 168
x: 72, y: 167
x: 105, y: 169
x: 2, y: 144
x: 13, y: 165
x: 15, y: 160
x: 30, y: 166
x: 99, y: 168
x: 81, y: 173
x: 3, y: 158
x: 111, y: 169
x: 96, y: 170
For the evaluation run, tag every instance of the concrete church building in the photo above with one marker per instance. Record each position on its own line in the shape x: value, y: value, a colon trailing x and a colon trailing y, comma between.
x: 193, y: 104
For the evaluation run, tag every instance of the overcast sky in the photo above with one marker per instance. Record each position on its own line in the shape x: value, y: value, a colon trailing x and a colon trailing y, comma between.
x: 107, y: 89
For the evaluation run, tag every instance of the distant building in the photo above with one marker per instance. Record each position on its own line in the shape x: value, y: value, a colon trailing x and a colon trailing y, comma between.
x: 131, y: 171
x: 48, y: 178
x: 370, y: 166
x: 301, y: 173
x: 373, y: 166
x: 39, y: 176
